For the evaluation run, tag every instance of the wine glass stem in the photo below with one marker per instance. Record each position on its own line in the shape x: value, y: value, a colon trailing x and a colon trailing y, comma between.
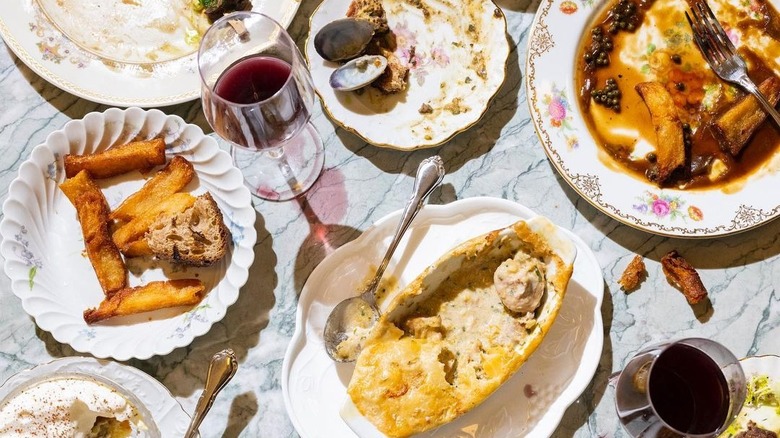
x: 284, y: 167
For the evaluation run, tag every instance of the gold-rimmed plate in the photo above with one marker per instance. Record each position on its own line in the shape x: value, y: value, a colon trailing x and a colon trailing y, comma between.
x: 80, y: 48
x: 557, y: 31
x: 457, y: 62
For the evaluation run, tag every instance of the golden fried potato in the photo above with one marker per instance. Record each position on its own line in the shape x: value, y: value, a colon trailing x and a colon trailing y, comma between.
x: 92, y: 211
x: 81, y: 183
x: 177, y: 174
x: 153, y: 296
x: 117, y: 160
x: 137, y: 248
x: 136, y: 228
x: 669, y: 144
x: 736, y: 125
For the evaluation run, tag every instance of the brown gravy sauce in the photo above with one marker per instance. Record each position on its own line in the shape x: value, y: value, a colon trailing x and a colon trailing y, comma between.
x: 686, y: 77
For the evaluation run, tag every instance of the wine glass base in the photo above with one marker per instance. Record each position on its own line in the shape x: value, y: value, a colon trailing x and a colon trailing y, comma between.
x: 287, y: 171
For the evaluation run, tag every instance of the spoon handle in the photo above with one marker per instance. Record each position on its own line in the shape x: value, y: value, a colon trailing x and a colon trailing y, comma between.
x: 222, y: 368
x: 430, y: 173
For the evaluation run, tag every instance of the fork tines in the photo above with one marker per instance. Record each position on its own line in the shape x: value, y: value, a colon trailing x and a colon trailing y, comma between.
x: 708, y: 32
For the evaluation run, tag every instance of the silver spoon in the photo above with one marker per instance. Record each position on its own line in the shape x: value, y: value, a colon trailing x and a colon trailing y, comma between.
x: 362, y: 311
x: 222, y: 368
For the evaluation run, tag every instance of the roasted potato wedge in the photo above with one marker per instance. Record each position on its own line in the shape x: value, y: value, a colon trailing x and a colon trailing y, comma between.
x: 137, y: 227
x: 117, y: 160
x: 92, y: 211
x: 669, y: 145
x: 81, y: 183
x: 736, y: 125
x: 153, y: 296
x: 137, y: 248
x: 177, y: 174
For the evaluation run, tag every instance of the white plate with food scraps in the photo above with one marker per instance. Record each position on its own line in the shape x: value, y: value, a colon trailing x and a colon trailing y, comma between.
x: 720, y: 208
x: 531, y: 402
x: 763, y: 376
x: 457, y: 60
x: 157, y: 403
x: 117, y: 52
x: 44, y: 251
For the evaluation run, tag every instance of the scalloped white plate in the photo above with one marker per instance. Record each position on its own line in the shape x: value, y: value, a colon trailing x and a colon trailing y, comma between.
x: 167, y: 413
x: 43, y: 47
x: 557, y: 30
x: 767, y: 417
x: 314, y: 387
x: 457, y: 60
x: 44, y: 250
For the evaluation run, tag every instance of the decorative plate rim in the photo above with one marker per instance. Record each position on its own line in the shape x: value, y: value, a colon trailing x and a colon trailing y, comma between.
x: 584, y: 373
x: 588, y: 186
x: 61, y: 81
x: 357, y: 133
x: 236, y: 272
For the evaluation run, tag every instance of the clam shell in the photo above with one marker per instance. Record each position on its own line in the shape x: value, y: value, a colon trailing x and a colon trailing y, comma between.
x: 358, y: 73
x: 343, y: 39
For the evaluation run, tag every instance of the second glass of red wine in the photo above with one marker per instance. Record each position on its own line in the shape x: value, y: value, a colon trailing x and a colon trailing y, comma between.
x: 257, y: 94
x: 688, y: 388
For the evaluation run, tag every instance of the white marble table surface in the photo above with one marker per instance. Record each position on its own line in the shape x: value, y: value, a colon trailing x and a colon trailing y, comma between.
x: 500, y: 156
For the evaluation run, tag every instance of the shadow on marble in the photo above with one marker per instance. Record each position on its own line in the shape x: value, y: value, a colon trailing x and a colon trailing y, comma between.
x: 54, y: 347
x: 184, y: 369
x: 242, y: 409
x: 578, y: 413
x: 324, y: 206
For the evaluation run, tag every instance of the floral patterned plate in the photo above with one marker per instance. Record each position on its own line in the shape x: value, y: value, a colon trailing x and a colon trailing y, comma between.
x: 531, y: 402
x: 456, y: 59
x: 82, y: 68
x: 43, y: 245
x: 557, y: 30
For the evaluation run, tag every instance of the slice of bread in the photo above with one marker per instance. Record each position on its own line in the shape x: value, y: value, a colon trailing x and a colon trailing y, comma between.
x: 197, y: 236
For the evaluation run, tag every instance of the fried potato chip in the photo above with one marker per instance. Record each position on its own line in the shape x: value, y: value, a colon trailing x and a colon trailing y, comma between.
x: 117, y: 160
x: 92, y: 211
x: 177, y: 174
x: 153, y: 296
x: 137, y: 227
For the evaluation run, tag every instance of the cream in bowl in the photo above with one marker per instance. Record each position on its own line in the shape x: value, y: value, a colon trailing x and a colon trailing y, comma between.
x: 74, y: 405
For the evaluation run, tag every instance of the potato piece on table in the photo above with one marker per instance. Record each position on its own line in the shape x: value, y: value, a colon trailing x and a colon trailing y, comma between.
x: 136, y: 228
x: 117, y: 160
x: 684, y: 277
x: 177, y: 174
x: 669, y: 144
x: 92, y: 211
x: 153, y: 296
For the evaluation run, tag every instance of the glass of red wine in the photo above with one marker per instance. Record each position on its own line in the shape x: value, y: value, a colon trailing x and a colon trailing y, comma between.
x: 688, y: 388
x: 257, y: 94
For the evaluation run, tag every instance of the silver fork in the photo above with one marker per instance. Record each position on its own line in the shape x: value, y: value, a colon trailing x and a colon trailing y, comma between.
x: 721, y: 54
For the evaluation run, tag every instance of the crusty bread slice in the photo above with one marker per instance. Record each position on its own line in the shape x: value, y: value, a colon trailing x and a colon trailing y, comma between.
x: 197, y: 236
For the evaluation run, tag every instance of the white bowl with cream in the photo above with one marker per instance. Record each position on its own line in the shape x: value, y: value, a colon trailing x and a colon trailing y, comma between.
x: 66, y: 396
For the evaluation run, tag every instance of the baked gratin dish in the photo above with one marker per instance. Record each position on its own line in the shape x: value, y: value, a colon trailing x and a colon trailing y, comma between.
x: 462, y: 328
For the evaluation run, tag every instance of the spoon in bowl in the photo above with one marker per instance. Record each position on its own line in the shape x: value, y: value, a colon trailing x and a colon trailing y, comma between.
x: 222, y: 368
x: 351, y: 320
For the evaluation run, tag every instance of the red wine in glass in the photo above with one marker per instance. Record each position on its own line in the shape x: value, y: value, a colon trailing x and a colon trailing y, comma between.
x: 688, y: 390
x: 259, y: 105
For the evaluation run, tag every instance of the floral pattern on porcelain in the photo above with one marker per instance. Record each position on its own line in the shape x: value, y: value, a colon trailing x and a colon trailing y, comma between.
x: 54, y: 46
x: 568, y: 7
x: 412, y: 56
x: 30, y: 260
x: 558, y: 109
x: 665, y: 205
x: 196, y: 314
